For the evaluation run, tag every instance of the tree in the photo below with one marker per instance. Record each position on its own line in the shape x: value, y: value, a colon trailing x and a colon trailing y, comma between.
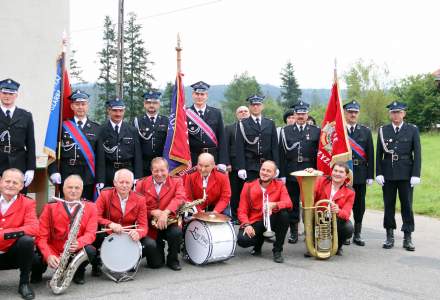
x: 422, y: 96
x: 107, y: 72
x: 368, y: 84
x: 165, y: 106
x: 290, y: 91
x: 273, y: 110
x: 240, y: 88
x: 75, y: 71
x: 137, y: 76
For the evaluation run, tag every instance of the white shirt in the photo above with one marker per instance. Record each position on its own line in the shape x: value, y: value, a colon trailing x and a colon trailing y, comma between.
x: 72, y: 206
x: 349, y: 127
x: 123, y: 203
x: 333, y: 191
x: 299, y: 126
x: 12, y: 109
x: 84, y: 121
x: 255, y: 118
x: 200, y: 109
x: 205, y: 181
x: 114, y: 124
x: 5, y: 204
x: 400, y: 126
x: 157, y: 186
x: 154, y: 116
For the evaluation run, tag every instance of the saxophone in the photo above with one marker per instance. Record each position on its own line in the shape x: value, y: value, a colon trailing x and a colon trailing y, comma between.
x: 69, y: 262
x: 184, y: 208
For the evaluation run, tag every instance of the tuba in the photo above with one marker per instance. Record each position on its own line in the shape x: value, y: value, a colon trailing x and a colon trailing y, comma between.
x: 69, y: 262
x: 320, y: 224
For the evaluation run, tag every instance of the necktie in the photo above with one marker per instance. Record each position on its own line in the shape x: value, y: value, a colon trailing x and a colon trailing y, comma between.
x: 301, y: 129
x: 117, y: 129
x: 201, y: 113
x: 397, y: 130
x: 8, y: 115
x: 152, y: 120
x: 80, y: 123
x: 258, y: 122
x: 351, y: 130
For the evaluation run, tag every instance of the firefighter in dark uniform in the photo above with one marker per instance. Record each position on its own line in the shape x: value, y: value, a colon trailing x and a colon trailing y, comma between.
x: 256, y: 141
x: 72, y: 158
x: 199, y: 142
x: 298, y: 150
x: 17, y: 141
x: 152, y: 129
x: 398, y: 164
x: 363, y: 164
x: 118, y: 146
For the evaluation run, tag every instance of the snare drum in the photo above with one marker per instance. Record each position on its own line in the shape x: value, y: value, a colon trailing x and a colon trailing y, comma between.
x: 119, y: 254
x: 207, y: 242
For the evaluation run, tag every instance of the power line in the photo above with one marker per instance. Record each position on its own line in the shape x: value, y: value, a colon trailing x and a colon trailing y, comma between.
x: 154, y: 15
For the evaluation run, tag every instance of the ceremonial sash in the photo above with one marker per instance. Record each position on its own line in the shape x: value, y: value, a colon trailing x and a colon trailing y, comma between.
x: 202, y: 125
x: 82, y: 142
x: 357, y: 148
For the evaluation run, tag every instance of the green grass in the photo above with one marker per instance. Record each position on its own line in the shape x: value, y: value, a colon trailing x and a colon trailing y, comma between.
x: 426, y: 195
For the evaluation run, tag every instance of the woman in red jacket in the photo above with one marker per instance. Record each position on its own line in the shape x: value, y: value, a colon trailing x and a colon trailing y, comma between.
x: 335, y: 188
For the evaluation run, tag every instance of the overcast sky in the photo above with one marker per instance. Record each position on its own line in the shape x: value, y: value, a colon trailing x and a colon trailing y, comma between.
x: 221, y: 38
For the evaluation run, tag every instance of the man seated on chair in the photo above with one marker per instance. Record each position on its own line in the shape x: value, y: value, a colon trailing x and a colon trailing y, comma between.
x: 336, y: 189
x: 250, y: 211
x: 18, y: 226
x: 163, y: 195
x: 120, y: 209
x: 55, y: 224
x: 215, y: 183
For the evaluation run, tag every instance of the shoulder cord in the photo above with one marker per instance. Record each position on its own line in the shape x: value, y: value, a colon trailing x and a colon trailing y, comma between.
x: 286, y: 147
x: 245, y: 137
x: 384, y: 146
x: 136, y: 124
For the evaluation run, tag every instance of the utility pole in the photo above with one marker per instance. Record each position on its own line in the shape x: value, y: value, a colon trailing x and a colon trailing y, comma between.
x: 120, y: 58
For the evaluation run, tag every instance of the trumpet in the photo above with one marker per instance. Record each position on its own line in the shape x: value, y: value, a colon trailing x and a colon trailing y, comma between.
x: 184, y: 208
x: 266, y: 217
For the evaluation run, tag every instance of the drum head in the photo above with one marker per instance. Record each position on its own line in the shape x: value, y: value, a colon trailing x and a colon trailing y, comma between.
x: 198, y: 242
x: 119, y: 253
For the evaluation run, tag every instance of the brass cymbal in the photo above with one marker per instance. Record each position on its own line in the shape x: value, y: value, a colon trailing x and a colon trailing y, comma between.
x: 211, y: 217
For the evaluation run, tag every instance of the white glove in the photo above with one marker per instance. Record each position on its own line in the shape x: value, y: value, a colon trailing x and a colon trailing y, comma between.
x: 277, y: 173
x: 369, y: 181
x: 380, y: 180
x: 283, y: 179
x: 242, y: 174
x: 414, y: 181
x: 221, y: 167
x: 55, y: 178
x: 99, y: 187
x: 28, y: 177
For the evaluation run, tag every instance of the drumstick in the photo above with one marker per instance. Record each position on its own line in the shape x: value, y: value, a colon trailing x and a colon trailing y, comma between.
x: 107, y: 229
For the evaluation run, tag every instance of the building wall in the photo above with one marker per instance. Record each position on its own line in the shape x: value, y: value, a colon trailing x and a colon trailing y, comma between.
x: 31, y: 34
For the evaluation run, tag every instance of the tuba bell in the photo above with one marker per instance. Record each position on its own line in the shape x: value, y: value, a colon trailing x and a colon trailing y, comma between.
x: 320, y: 224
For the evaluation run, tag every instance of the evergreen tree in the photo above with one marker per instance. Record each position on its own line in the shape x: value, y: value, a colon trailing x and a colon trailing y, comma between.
x: 74, y: 70
x: 290, y: 91
x: 137, y: 76
x: 165, y: 103
x: 241, y: 87
x: 107, y: 72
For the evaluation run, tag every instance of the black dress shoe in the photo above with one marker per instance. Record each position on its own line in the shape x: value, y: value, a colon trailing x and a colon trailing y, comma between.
x: 307, y: 254
x: 26, y: 292
x: 277, y: 257
x: 96, y: 271
x: 256, y: 252
x: 358, y: 241
x: 175, y: 266
x: 407, y: 242
x: 347, y: 242
x: 78, y: 278
x: 389, y: 242
x: 293, y: 239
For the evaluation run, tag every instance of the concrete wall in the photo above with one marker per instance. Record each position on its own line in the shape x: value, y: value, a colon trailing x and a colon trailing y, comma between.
x: 31, y: 33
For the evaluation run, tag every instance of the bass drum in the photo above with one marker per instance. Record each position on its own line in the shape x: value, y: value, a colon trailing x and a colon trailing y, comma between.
x: 207, y: 242
x: 119, y: 253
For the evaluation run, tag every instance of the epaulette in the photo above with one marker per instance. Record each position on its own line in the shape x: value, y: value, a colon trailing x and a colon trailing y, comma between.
x: 413, y: 125
x: 364, y: 126
x: 94, y: 122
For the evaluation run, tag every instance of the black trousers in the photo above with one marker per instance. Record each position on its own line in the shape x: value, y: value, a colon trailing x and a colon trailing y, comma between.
x: 39, y: 266
x: 294, y: 194
x: 359, y: 202
x: 390, y: 189
x: 236, y: 187
x: 279, y: 223
x: 251, y: 175
x: 155, y: 248
x: 19, y: 256
x: 345, y: 231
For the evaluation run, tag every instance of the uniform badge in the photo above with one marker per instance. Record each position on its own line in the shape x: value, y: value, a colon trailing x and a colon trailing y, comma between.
x: 307, y: 136
x: 147, y: 129
x: 88, y: 125
x: 391, y: 140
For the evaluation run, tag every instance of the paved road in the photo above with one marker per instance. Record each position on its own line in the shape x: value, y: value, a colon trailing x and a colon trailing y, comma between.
x: 361, y: 273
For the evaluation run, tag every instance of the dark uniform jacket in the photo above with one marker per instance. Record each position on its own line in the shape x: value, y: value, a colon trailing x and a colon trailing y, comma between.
x: 231, y: 140
x: 17, y: 141
x: 118, y: 152
x: 152, y: 137
x: 72, y: 159
x: 304, y: 152
x: 198, y: 141
x: 407, y: 153
x: 251, y: 156
x: 363, y: 169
